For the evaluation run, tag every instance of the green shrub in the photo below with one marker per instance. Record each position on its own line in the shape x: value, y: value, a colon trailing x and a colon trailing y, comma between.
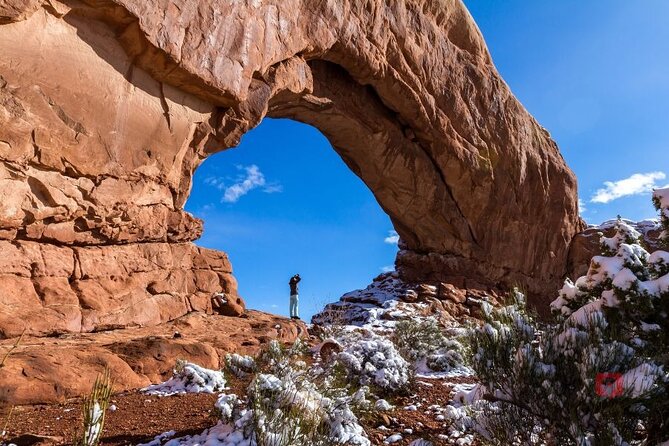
x: 548, y: 382
x: 425, y: 340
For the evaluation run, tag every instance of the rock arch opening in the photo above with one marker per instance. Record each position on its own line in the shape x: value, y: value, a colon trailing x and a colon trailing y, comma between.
x: 283, y: 202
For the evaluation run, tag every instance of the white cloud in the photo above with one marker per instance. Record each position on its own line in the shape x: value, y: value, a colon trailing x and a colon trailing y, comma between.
x: 214, y: 181
x: 254, y: 178
x: 393, y: 238
x: 251, y: 178
x: 387, y: 269
x: 581, y: 206
x: 273, y: 188
x: 639, y: 183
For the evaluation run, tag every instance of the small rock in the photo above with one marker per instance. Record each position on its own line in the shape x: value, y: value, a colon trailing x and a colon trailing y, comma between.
x: 410, y: 296
x: 328, y: 349
x: 448, y: 291
x: 386, y: 419
x: 382, y: 405
x: 393, y: 439
x: 228, y: 305
x: 426, y: 291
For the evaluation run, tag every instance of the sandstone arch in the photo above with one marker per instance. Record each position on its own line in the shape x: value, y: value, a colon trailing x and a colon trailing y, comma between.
x: 108, y: 106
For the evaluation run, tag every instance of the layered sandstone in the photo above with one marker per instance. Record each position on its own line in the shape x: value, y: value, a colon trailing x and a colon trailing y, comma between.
x: 49, y: 290
x: 108, y: 106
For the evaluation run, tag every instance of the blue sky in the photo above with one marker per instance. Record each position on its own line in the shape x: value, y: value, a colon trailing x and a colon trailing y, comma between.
x: 593, y: 73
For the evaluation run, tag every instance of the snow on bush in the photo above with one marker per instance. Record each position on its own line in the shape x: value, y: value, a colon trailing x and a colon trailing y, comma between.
x: 226, y: 404
x: 382, y: 405
x: 189, y: 378
x: 661, y: 201
x: 423, y: 342
x: 290, y: 408
x: 598, y: 374
x: 240, y: 366
x: 375, y: 362
x: 288, y: 404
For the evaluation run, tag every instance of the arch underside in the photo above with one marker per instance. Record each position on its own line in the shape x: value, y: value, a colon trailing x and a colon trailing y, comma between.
x: 107, y: 108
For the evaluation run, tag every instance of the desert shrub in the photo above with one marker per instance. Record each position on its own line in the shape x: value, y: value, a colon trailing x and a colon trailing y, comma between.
x: 227, y: 407
x: 597, y: 374
x: 189, y: 378
x: 240, y: 366
x: 11, y: 350
x: 424, y: 340
x: 287, y: 404
x: 376, y: 363
x: 4, y: 430
x: 94, y: 410
x: 445, y: 359
x: 288, y: 407
x: 6, y: 422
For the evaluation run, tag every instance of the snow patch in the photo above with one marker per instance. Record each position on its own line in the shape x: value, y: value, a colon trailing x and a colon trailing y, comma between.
x: 189, y: 378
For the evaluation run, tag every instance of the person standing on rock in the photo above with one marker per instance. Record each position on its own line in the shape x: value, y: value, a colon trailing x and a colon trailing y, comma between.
x: 294, y: 296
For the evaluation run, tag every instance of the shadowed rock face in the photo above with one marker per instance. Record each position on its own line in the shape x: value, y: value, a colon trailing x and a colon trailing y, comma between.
x: 107, y: 107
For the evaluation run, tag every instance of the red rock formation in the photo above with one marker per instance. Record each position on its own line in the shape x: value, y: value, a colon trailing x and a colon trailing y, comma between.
x: 48, y: 289
x: 108, y: 106
x: 53, y: 369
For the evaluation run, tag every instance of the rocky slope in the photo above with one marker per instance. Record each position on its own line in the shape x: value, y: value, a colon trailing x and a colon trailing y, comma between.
x: 388, y: 300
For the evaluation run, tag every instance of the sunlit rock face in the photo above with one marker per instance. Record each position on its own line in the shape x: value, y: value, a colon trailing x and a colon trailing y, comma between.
x: 108, y: 106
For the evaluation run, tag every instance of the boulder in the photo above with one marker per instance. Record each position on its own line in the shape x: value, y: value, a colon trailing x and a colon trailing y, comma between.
x: 328, y: 349
x: 450, y: 292
x: 228, y: 305
x: 48, y: 289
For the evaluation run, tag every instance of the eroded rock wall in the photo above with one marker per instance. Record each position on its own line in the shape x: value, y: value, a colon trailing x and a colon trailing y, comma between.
x: 108, y: 106
x: 93, y: 153
x: 49, y: 289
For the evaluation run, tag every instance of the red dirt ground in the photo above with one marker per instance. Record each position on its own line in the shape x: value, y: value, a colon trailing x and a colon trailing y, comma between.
x: 139, y: 418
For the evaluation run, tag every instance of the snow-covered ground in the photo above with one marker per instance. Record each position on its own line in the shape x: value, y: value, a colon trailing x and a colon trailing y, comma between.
x: 368, y: 358
x: 361, y: 325
x: 376, y: 307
